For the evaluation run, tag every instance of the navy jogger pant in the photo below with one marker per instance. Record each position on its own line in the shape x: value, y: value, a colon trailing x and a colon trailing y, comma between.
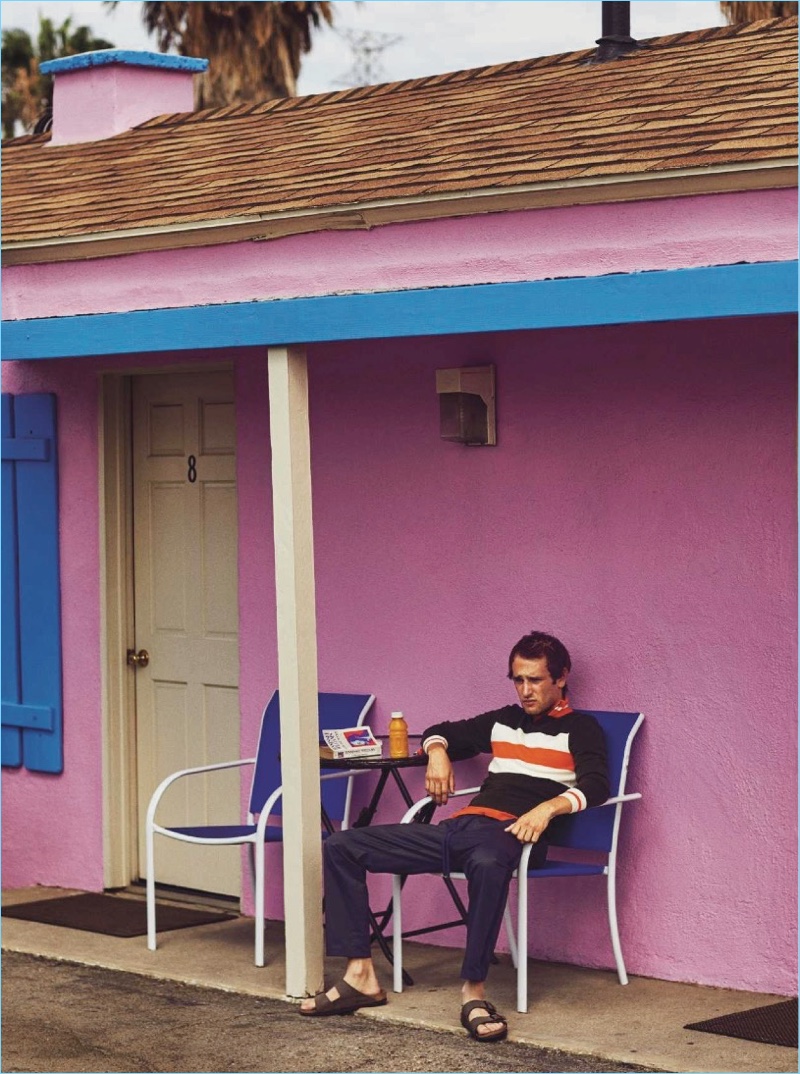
x: 475, y: 845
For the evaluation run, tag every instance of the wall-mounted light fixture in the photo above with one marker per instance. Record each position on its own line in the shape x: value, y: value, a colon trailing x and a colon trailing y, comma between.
x: 466, y: 405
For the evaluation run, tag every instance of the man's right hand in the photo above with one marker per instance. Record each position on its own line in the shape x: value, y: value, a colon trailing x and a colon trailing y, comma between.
x: 440, y: 780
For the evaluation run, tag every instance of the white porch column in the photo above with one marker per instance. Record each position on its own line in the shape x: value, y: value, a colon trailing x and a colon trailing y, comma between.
x: 297, y: 667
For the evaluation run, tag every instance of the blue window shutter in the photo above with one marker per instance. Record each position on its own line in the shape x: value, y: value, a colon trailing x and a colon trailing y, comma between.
x: 31, y: 699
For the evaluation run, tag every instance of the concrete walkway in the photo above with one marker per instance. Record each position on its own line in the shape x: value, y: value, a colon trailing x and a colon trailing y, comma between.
x: 575, y: 1010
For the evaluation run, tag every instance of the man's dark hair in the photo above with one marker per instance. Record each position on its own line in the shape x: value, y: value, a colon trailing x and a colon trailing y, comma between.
x: 534, y: 645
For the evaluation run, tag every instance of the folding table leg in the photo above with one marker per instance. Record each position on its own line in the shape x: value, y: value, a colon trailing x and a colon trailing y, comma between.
x: 459, y: 905
x: 378, y: 936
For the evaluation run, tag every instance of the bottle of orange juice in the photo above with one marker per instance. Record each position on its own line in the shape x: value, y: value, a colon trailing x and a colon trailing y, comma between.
x: 398, y: 736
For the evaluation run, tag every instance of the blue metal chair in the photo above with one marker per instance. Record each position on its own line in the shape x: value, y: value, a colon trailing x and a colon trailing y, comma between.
x: 593, y: 830
x: 335, y: 711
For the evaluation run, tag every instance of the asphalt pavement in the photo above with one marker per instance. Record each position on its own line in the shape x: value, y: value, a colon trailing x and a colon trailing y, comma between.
x: 62, y: 1016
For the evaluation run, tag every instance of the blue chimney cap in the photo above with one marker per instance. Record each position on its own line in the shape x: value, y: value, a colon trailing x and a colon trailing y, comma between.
x: 127, y: 57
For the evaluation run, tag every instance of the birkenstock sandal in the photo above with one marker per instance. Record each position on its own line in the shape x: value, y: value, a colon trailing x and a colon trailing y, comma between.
x: 349, y: 1000
x: 471, y: 1024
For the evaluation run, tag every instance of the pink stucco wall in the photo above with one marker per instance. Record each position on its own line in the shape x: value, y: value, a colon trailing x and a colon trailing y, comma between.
x: 640, y: 503
x: 588, y: 240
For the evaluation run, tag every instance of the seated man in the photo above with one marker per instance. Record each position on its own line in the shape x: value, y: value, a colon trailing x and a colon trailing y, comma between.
x: 546, y: 760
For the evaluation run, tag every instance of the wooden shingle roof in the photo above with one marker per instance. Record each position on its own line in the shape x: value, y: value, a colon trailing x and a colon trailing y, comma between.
x: 705, y: 110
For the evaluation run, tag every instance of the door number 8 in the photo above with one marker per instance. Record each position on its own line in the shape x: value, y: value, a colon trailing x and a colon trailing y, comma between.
x: 192, y: 472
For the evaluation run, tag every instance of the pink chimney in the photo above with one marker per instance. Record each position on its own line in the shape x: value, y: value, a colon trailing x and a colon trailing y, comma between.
x: 99, y: 94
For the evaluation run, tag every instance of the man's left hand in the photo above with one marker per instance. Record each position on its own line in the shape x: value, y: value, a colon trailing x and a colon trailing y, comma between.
x: 529, y: 827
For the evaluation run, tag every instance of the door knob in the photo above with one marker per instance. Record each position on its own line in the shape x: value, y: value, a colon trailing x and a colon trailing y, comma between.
x: 140, y: 659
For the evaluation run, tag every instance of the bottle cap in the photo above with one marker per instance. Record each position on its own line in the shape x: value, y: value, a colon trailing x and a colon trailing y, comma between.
x: 397, y: 716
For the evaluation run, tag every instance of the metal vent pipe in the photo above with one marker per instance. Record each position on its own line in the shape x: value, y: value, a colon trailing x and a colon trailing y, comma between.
x: 616, y: 20
x: 616, y: 41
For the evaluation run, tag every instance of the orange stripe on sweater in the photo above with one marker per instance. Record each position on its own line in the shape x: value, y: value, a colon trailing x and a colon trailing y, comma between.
x: 533, y: 755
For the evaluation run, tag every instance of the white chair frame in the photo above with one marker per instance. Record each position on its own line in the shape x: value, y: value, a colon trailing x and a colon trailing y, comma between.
x: 255, y: 841
x: 518, y: 943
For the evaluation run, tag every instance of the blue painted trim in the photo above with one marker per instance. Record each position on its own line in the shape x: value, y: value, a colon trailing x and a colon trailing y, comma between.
x: 33, y: 450
x: 37, y: 717
x: 31, y: 718
x: 685, y: 294
x: 39, y: 583
x: 127, y: 57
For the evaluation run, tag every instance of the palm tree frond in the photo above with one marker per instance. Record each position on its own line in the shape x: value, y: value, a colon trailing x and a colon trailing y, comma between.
x: 254, y: 49
x: 26, y: 92
x: 754, y: 12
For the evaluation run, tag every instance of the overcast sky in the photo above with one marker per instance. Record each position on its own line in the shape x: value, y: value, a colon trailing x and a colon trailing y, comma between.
x: 434, y: 35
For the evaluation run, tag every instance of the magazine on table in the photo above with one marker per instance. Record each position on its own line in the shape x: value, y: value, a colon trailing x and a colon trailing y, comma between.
x: 350, y: 742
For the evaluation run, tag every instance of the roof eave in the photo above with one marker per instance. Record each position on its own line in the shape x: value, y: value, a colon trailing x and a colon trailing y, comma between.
x: 759, y: 175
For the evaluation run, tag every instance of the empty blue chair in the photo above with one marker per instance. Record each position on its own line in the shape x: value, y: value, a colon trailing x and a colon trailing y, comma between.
x: 593, y: 830
x: 335, y: 711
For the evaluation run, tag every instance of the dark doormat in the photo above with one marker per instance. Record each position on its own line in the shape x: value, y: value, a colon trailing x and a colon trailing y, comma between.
x: 774, y: 1024
x: 110, y: 915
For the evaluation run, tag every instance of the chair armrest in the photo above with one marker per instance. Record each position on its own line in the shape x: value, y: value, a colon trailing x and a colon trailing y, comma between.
x: 522, y: 868
x: 263, y: 816
x: 621, y: 798
x: 417, y: 806
x: 347, y: 772
x: 159, y: 791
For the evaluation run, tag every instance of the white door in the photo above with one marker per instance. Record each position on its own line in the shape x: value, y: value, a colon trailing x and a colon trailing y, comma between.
x: 186, y: 615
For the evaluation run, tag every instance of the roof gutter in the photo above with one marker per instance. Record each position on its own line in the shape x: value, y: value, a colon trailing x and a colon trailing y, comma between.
x: 366, y: 215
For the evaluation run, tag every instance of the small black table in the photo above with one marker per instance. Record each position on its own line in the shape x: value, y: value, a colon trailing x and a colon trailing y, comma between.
x: 387, y: 766
x: 392, y: 766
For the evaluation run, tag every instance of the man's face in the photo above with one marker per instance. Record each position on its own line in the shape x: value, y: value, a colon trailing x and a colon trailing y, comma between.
x: 536, y: 691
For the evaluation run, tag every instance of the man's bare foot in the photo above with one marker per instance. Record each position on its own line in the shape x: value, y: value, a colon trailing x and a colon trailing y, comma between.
x: 360, y: 974
x: 475, y: 990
